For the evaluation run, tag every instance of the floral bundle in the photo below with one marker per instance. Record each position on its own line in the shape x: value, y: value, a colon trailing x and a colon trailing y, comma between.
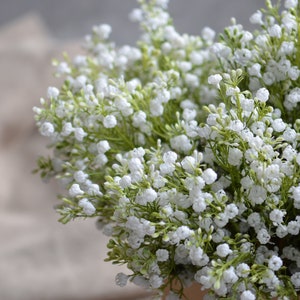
x: 186, y: 150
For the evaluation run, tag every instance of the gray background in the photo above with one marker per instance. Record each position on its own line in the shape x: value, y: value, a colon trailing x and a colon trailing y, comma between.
x: 69, y: 19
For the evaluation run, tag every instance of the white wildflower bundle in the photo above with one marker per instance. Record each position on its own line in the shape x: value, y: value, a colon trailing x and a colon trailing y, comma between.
x: 186, y: 150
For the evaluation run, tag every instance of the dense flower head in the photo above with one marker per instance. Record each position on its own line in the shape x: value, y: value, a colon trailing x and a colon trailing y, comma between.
x: 186, y: 150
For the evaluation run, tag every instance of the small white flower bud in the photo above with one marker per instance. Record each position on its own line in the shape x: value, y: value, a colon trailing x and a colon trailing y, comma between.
x: 262, y: 95
x: 47, y: 129
x: 52, y: 92
x: 88, y: 207
x: 109, y: 121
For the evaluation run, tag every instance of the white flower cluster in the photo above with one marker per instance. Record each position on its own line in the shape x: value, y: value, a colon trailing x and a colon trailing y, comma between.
x: 186, y: 149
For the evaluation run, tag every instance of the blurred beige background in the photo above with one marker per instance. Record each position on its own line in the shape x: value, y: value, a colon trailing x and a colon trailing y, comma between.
x: 40, y: 258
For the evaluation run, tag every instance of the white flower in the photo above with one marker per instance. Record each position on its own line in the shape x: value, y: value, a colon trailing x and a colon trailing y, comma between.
x: 80, y: 176
x: 139, y: 118
x: 257, y: 194
x: 254, y: 219
x: 121, y: 279
x: 184, y: 66
x: 156, y: 107
x: 287, y: 48
x: 247, y: 295
x: 208, y: 34
x: 170, y: 157
x: 243, y: 56
x: 292, y: 98
x: 63, y: 68
x: 232, y: 91
x: 254, y: 70
x: 93, y: 189
x: 196, y: 255
x: 110, y: 121
x: 295, y: 278
x: 221, y: 220
x: 188, y: 164
x: 101, y: 159
x: 262, y: 95
x: 103, y: 146
x: 191, y: 80
x: 182, y: 233
x: 199, y: 204
x: 279, y: 125
x: 52, y: 92
x: 189, y: 114
x: 229, y: 275
x: 218, y: 235
x: 269, y: 78
x: 223, y: 250
x: 125, y: 181
x: 235, y: 156
x: 275, y: 31
x: 162, y: 255
x: 293, y: 227
x: 155, y: 281
x: 75, y: 190
x: 243, y: 270
x: 148, y: 195
x: 79, y: 134
x: 281, y: 231
x: 236, y: 125
x: 167, y: 169
x: 88, y: 208
x: 275, y: 263
x: 214, y: 79
x: 181, y: 143
x: 289, y: 134
x: 247, y: 36
x: 256, y: 18
x: 136, y: 15
x: 209, y: 176
x: 196, y: 58
x: 103, y: 31
x: 263, y: 236
x: 296, y: 193
x: 47, y: 129
x: 67, y: 129
x: 276, y: 216
x: 231, y: 210
x: 290, y: 4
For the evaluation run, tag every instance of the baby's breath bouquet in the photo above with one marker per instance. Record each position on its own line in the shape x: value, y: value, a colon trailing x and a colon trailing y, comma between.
x: 187, y: 151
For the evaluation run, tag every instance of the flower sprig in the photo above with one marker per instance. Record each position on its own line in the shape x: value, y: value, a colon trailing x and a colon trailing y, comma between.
x: 186, y: 150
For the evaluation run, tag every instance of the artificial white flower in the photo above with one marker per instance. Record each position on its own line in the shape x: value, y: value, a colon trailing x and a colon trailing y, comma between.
x: 214, y: 79
x: 87, y: 206
x: 223, y: 250
x: 121, y: 279
x: 162, y: 255
x: 47, y: 129
x: 209, y: 176
x: 52, y: 92
x: 275, y: 263
x: 262, y: 95
x: 75, y: 190
x: 109, y: 121
x: 103, y: 146
x: 247, y: 295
